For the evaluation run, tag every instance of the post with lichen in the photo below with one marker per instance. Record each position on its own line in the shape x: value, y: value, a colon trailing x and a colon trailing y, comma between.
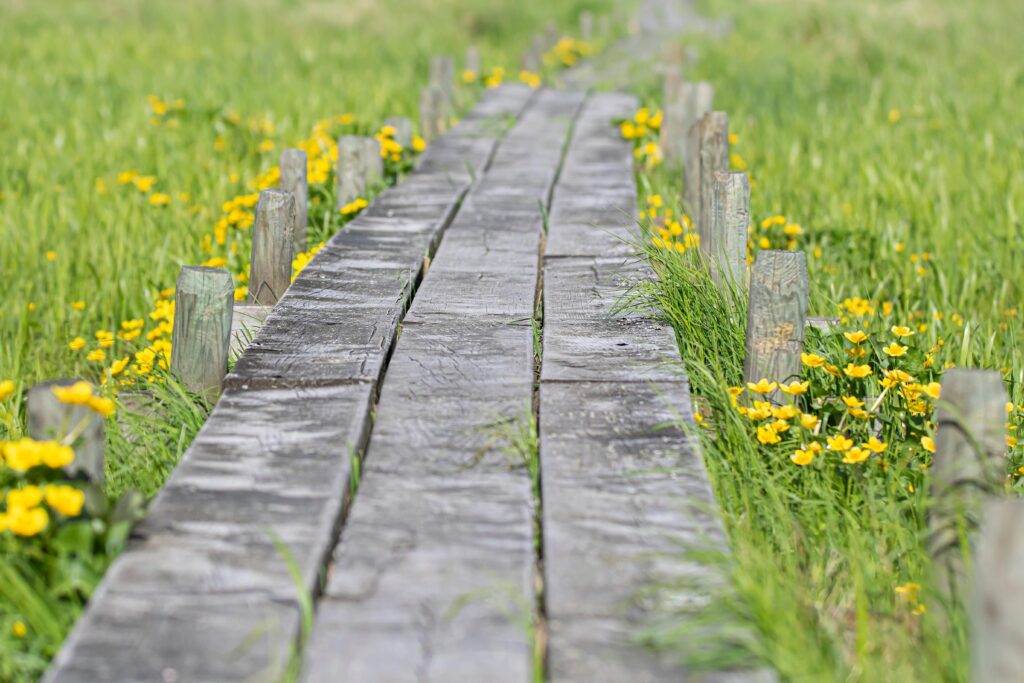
x: 968, y: 464
x: 714, y: 157
x: 355, y: 158
x: 725, y: 248
x: 433, y: 113
x: 75, y: 423
x: 695, y: 100
x: 270, y: 268
x: 203, y: 306
x: 294, y: 166
x: 776, y: 317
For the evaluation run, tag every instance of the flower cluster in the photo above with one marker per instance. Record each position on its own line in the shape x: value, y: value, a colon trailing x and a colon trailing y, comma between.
x: 669, y: 231
x: 774, y: 232
x: 568, y: 52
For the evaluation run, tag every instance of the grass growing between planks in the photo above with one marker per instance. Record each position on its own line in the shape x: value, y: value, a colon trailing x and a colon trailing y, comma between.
x: 135, y: 140
x: 880, y: 140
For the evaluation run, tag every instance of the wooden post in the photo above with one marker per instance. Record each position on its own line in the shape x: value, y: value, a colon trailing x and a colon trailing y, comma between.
x: 293, y: 179
x: 374, y: 162
x: 203, y: 306
x: 355, y: 157
x: 442, y: 75
x: 51, y: 420
x: 433, y: 113
x: 473, y: 59
x: 673, y: 129
x: 726, y: 246
x: 776, y: 316
x: 270, y: 269
x: 586, y: 26
x: 969, y: 449
x: 551, y: 33
x: 403, y: 129
x: 997, y: 602
x: 696, y: 99
x: 533, y: 58
x: 714, y: 157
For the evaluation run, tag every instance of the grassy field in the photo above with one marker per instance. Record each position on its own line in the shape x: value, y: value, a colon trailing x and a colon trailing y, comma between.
x: 134, y: 136
x: 881, y: 138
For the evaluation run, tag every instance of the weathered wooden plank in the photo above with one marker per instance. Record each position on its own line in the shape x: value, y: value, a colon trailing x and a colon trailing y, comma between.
x: 273, y: 247
x: 776, y: 316
x: 714, y: 157
x: 266, y: 464
x: 293, y: 167
x: 434, y: 573
x: 969, y: 465
x: 204, y: 298
x: 725, y: 246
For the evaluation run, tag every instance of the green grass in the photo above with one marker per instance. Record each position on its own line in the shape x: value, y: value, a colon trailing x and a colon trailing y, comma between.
x: 242, y: 81
x: 871, y: 125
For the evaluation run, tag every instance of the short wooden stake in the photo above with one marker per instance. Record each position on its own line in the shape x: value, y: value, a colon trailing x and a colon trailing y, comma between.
x: 51, y: 420
x: 969, y: 449
x: 203, y: 306
x: 293, y: 179
x: 551, y: 33
x: 442, y: 75
x: 270, y: 269
x: 473, y: 59
x: 696, y: 99
x: 374, y: 162
x: 586, y: 26
x: 997, y: 601
x: 714, y: 157
x: 674, y: 106
x: 776, y: 316
x: 433, y: 112
x: 726, y: 246
x: 403, y: 130
x: 533, y: 58
x: 355, y: 157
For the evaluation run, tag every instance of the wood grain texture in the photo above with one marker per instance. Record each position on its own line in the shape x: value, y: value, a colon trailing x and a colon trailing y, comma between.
x: 435, y: 567
x: 273, y: 247
x: 725, y: 248
x: 714, y: 157
x: 969, y: 461
x: 997, y: 600
x: 246, y: 320
x: 51, y: 420
x: 203, y: 304
x: 433, y: 112
x: 697, y: 101
x: 674, y: 106
x: 355, y: 156
x: 776, y: 317
x: 293, y: 166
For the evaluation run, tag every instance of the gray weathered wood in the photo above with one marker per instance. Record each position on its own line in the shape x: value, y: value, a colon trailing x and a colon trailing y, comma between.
x: 551, y: 33
x: 403, y: 130
x: 714, y: 157
x: 725, y: 246
x: 997, y: 602
x: 442, y: 75
x: 473, y: 59
x: 696, y: 99
x: 246, y: 321
x: 273, y: 241
x: 823, y: 323
x: 586, y: 26
x: 203, y: 304
x: 776, y: 318
x: 356, y: 158
x: 51, y: 420
x: 374, y: 163
x: 533, y: 58
x: 433, y: 112
x: 968, y: 465
x: 673, y: 130
x: 294, y: 166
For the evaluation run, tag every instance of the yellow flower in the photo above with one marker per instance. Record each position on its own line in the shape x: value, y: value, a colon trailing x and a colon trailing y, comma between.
x: 907, y: 592
x: 928, y: 444
x: 762, y: 386
x: 6, y: 389
x: 812, y: 360
x: 766, y: 434
x: 28, y: 497
x: 856, y: 337
x: 76, y: 344
x: 266, y: 146
x: 102, y: 406
x: 77, y: 305
x: 894, y: 378
x: 469, y: 76
x: 808, y: 422
x: 856, y: 455
x: 24, y: 522
x: 802, y: 457
x: 894, y: 116
x: 159, y: 199
x: 55, y: 455
x: 895, y: 350
x: 418, y: 143
x: 96, y: 355
x: 874, y: 444
x: 902, y: 331
x: 853, y: 402
x: 933, y: 390
x: 857, y: 371
x: 18, y: 629
x: 67, y: 500
x: 762, y: 410
x: 144, y: 183
x: 118, y: 366
x: 78, y: 393
x: 794, y: 388
x: 839, y: 443
x: 51, y: 256
x: 786, y: 412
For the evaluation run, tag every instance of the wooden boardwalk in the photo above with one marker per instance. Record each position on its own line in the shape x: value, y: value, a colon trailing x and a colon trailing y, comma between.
x: 449, y: 552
